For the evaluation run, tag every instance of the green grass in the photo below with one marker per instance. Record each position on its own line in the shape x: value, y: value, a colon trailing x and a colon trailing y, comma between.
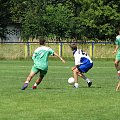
x: 55, y: 99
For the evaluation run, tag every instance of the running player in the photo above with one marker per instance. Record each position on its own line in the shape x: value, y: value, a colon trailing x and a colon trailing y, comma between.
x: 82, y: 64
x: 117, y: 59
x: 40, y: 58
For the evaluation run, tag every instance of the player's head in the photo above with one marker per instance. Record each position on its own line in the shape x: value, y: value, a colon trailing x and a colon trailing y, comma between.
x: 118, y: 31
x: 73, y: 46
x: 41, y: 41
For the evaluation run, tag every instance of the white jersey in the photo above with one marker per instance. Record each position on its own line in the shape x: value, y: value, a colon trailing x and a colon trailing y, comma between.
x: 81, y: 57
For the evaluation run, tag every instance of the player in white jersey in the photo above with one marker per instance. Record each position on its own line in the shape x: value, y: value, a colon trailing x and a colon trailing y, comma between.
x: 83, y: 63
x: 40, y: 58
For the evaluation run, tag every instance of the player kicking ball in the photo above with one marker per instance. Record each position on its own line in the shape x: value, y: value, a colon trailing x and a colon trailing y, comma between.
x: 83, y: 64
x: 40, y: 58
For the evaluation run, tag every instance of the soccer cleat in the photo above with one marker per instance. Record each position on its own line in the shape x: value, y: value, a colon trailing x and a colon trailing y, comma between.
x: 24, y: 86
x: 89, y: 84
x: 75, y: 86
x: 34, y: 87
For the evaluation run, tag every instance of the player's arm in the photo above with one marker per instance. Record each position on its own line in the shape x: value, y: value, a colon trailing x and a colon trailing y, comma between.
x: 115, y: 50
x: 73, y: 68
x: 59, y: 57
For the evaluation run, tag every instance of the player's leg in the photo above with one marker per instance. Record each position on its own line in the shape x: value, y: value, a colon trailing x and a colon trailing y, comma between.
x: 118, y: 86
x: 29, y: 78
x: 117, y: 66
x: 75, y: 75
x: 89, y: 82
x: 83, y: 69
x: 39, y: 80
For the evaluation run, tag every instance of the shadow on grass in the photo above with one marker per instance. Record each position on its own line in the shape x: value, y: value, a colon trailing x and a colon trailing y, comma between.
x: 48, y: 88
x: 52, y: 88
x: 91, y: 87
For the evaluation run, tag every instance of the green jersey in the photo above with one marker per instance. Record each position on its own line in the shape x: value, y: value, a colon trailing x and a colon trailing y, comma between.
x: 117, y: 42
x: 40, y: 57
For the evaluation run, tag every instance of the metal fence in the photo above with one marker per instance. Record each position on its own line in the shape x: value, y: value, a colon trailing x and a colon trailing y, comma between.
x: 17, y: 50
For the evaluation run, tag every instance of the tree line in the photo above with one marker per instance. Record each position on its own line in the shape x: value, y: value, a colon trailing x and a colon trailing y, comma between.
x: 62, y: 19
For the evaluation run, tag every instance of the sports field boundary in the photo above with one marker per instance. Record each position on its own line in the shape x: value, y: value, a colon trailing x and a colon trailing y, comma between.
x: 24, y: 50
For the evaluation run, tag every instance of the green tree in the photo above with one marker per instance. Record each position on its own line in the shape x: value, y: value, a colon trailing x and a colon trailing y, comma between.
x: 30, y: 14
x: 79, y: 19
x: 99, y: 19
x: 58, y: 20
x: 4, y: 17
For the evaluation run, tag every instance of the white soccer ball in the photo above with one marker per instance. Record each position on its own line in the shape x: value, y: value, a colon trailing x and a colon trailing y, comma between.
x: 71, y: 80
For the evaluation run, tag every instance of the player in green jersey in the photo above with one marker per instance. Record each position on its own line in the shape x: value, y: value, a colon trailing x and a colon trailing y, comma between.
x: 117, y: 59
x: 40, y: 58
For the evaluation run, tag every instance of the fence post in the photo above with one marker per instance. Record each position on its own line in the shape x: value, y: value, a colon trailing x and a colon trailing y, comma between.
x: 27, y: 50
x: 60, y: 49
x: 92, y: 50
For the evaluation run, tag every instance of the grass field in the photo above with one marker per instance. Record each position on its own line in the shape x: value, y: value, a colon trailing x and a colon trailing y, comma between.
x: 55, y: 99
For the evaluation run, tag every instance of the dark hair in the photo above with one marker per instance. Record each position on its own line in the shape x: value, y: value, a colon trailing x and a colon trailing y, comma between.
x: 118, y: 30
x: 41, y: 41
x: 73, y: 46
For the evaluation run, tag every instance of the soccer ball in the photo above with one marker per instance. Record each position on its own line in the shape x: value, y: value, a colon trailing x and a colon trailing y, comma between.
x: 71, y: 80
